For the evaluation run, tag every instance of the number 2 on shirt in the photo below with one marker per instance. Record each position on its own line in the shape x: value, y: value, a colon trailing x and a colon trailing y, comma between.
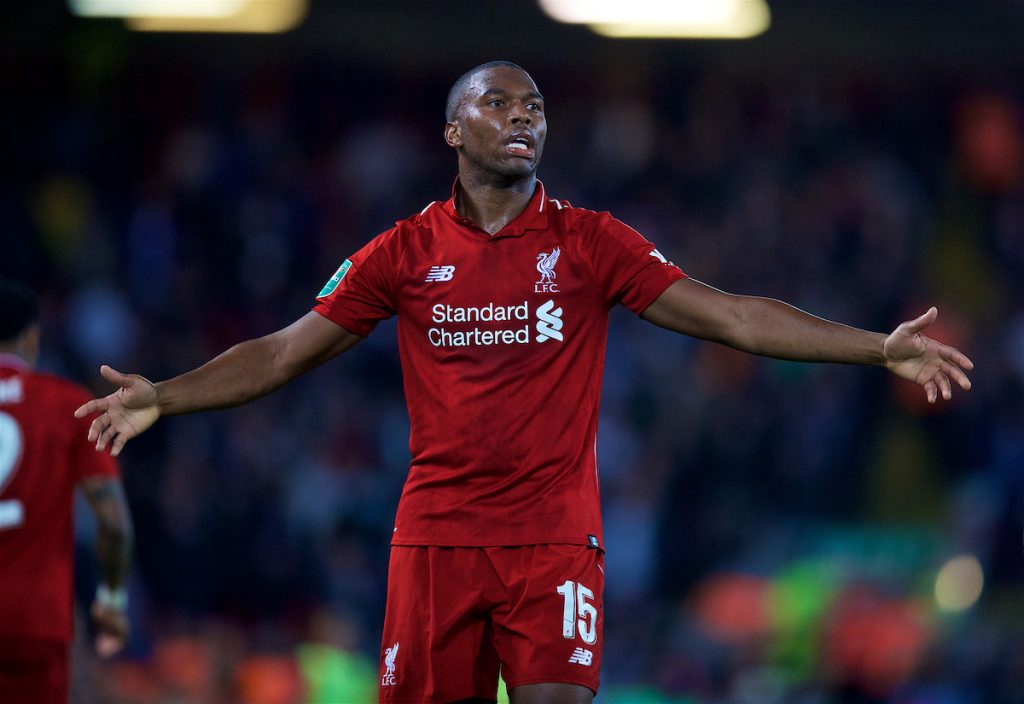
x: 12, y: 513
x: 575, y: 596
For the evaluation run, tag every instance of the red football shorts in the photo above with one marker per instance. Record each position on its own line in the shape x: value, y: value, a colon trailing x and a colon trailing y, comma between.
x: 33, y: 671
x: 457, y: 616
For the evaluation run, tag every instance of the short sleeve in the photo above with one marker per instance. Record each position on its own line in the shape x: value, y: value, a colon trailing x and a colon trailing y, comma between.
x: 84, y: 460
x: 362, y: 293
x: 630, y: 270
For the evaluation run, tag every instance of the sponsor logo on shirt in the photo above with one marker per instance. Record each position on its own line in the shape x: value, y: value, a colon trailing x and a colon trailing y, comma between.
x: 546, y: 266
x: 388, y: 678
x: 547, y: 322
x: 581, y: 656
x: 441, y: 273
x: 333, y: 282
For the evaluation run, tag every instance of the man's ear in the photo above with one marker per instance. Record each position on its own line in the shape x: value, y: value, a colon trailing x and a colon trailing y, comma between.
x: 452, y: 135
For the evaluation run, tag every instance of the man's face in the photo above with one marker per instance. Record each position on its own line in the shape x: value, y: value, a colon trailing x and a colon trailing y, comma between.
x: 500, y: 126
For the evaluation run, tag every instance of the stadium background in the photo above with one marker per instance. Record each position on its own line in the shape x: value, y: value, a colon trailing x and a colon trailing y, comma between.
x: 775, y: 531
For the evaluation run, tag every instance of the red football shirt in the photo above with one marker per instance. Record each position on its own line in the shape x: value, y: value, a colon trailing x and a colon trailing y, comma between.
x: 502, y: 340
x: 44, y: 453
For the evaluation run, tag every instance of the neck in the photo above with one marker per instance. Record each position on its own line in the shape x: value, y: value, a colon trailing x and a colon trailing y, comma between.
x: 492, y: 205
x: 24, y: 348
x: 10, y: 358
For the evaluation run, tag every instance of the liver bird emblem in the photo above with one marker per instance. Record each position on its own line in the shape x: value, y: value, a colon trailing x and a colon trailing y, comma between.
x: 546, y: 265
x: 389, y: 659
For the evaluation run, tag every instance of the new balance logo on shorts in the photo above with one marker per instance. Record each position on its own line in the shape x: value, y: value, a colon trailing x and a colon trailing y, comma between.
x: 581, y: 656
x: 441, y: 273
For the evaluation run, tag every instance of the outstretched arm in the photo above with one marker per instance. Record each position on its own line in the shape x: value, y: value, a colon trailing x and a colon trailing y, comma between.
x: 113, y: 550
x: 245, y: 372
x: 775, y: 329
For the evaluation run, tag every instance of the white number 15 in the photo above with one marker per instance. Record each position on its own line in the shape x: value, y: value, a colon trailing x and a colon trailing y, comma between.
x: 575, y: 596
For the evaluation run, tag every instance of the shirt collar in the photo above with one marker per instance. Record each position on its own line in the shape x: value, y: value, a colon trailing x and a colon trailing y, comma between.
x: 533, y: 217
x: 13, y: 361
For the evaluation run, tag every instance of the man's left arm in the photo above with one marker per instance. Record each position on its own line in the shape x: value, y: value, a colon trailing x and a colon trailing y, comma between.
x: 105, y: 495
x: 772, y: 328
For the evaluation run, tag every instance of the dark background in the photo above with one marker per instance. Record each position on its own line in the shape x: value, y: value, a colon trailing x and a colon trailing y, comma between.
x: 774, y: 530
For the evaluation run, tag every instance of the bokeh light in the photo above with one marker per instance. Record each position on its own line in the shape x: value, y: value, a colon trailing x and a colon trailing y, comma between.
x: 959, y: 583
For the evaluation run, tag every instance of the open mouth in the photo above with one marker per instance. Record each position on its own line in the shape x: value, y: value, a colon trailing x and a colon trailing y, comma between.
x: 521, y: 145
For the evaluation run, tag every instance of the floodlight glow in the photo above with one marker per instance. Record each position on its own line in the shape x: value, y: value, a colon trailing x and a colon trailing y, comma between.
x: 156, y: 8
x: 732, y: 19
x: 255, y: 16
x: 959, y: 583
x: 743, y: 30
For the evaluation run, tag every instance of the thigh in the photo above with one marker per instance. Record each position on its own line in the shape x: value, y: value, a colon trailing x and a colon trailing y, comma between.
x: 33, y: 671
x: 551, y: 694
x: 550, y: 628
x: 438, y: 640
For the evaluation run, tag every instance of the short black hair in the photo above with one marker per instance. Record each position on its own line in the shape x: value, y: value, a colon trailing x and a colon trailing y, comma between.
x: 459, y: 87
x: 18, y: 310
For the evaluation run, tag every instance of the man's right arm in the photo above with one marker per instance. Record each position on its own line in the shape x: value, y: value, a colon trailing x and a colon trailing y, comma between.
x: 255, y: 368
x: 245, y: 372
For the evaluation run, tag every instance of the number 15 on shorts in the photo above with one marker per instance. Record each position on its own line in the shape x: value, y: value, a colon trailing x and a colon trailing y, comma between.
x: 577, y: 611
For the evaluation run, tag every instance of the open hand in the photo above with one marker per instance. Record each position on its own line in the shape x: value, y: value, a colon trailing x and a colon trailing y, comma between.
x: 123, y: 414
x: 922, y: 360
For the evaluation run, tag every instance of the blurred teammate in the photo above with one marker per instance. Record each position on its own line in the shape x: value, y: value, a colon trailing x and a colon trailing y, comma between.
x: 44, y: 455
x: 502, y: 295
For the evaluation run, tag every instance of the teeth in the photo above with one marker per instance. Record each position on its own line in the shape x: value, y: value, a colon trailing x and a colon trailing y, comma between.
x: 520, y: 146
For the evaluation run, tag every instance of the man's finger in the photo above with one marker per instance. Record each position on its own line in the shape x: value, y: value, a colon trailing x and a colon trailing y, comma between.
x: 115, y: 377
x: 956, y: 356
x: 931, y: 391
x: 99, y: 424
x: 118, y: 445
x: 945, y: 386
x: 956, y: 374
x: 106, y: 436
x: 90, y: 407
x: 912, y: 327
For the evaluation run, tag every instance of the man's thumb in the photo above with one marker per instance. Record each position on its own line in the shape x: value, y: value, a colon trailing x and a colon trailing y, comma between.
x: 921, y: 322
x: 114, y: 376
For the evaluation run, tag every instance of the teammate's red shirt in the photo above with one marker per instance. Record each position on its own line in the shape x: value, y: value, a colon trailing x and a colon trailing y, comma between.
x: 502, y: 341
x: 44, y: 453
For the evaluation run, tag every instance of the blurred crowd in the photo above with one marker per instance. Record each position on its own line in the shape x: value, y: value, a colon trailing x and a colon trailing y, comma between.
x: 774, y: 530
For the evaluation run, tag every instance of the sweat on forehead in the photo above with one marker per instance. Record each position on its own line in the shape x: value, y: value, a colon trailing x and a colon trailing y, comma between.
x: 464, y: 81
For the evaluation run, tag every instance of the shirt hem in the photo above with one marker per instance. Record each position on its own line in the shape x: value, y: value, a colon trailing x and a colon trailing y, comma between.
x: 519, y: 542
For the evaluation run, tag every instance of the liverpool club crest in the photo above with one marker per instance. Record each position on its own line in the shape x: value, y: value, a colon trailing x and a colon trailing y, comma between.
x: 546, y: 266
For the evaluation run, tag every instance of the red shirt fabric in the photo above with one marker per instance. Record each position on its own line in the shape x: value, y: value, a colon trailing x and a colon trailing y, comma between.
x: 502, y: 341
x: 44, y: 453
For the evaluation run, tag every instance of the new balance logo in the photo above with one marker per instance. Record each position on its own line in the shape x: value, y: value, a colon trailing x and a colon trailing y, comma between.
x: 441, y: 273
x: 581, y: 656
x: 549, y: 322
